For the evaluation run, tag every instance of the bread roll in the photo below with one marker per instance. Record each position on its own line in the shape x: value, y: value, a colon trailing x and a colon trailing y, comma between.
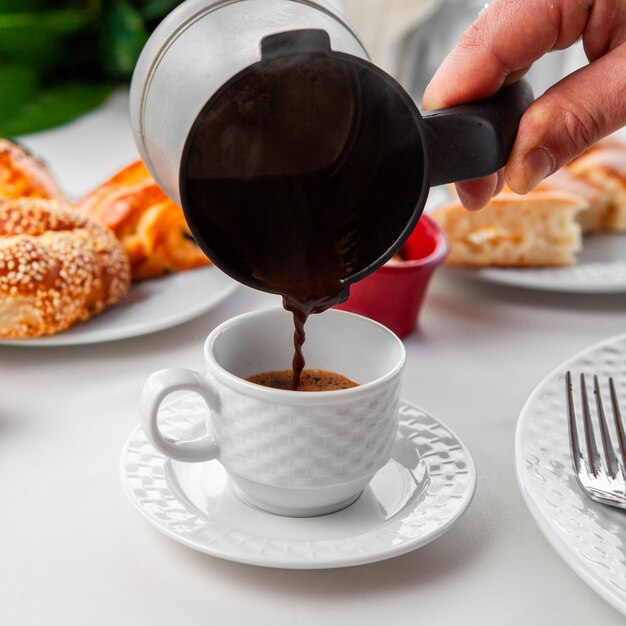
x: 57, y: 267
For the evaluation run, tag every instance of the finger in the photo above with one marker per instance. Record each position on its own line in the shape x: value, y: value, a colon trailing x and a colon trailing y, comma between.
x: 578, y: 111
x: 490, y: 51
x: 605, y: 29
x: 474, y: 194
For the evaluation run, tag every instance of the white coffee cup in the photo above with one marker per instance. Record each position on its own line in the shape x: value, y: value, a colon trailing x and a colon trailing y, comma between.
x: 290, y: 452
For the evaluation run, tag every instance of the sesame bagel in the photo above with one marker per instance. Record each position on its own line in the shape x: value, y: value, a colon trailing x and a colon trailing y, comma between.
x: 57, y: 267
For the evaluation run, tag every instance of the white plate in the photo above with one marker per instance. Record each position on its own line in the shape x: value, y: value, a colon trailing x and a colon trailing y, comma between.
x: 149, y: 306
x: 600, y: 268
x: 589, y: 536
x: 415, y: 498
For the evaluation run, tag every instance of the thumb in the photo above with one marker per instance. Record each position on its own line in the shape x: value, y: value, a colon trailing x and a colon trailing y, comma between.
x: 575, y: 113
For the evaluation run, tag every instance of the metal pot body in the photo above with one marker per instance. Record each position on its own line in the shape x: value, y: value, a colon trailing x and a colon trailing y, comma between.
x: 198, y: 48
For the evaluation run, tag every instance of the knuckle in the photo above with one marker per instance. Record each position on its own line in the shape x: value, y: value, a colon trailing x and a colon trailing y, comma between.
x: 581, y: 128
x: 474, y: 37
x: 567, y: 128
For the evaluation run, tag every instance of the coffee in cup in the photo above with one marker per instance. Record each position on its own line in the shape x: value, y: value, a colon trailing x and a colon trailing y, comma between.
x: 310, y: 380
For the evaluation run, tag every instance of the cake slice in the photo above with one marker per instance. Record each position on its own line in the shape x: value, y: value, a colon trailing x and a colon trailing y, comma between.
x: 591, y: 219
x: 539, y: 229
x: 605, y: 167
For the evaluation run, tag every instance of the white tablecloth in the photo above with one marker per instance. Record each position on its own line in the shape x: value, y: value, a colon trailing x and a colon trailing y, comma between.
x: 74, y: 552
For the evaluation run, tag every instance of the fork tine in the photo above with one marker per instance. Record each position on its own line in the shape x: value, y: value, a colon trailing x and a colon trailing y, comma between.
x: 593, y: 458
x: 573, y: 429
x: 619, y: 426
x: 607, y: 487
x: 607, y: 444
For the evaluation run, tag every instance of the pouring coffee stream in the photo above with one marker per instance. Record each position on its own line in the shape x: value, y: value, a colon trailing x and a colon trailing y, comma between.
x: 306, y: 170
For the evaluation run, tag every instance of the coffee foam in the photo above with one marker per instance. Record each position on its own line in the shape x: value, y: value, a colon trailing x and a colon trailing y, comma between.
x: 310, y: 380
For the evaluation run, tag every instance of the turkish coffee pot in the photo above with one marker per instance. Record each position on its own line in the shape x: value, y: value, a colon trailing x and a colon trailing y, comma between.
x: 292, y: 155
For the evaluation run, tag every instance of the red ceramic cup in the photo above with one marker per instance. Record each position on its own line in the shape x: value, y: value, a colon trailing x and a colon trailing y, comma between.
x: 393, y: 295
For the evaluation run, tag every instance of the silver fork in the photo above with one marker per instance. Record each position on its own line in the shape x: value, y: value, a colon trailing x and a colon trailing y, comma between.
x: 602, y: 477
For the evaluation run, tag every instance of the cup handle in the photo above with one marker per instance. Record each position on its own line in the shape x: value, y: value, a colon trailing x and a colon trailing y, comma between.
x: 155, y: 390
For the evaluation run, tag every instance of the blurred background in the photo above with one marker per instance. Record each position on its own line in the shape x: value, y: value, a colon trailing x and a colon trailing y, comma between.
x: 62, y: 58
x: 410, y: 39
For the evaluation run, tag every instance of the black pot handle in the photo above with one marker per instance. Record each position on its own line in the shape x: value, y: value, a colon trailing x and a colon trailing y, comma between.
x: 474, y: 140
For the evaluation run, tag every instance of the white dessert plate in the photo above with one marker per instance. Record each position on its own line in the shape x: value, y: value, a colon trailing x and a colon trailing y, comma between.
x: 415, y: 498
x: 600, y: 268
x: 589, y: 536
x: 149, y: 306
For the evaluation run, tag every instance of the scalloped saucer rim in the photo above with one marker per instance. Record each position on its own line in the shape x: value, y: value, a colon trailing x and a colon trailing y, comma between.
x: 411, y: 501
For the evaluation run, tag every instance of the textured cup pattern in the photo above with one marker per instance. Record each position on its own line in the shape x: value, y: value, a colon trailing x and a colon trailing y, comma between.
x: 307, y: 446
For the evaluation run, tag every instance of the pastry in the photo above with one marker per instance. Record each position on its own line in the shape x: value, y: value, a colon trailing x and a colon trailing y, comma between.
x: 591, y: 219
x: 150, y: 226
x: 605, y: 167
x: 24, y: 175
x: 57, y: 267
x: 540, y: 229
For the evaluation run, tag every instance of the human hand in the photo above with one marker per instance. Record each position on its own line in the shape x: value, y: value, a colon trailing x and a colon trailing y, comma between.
x: 499, y: 48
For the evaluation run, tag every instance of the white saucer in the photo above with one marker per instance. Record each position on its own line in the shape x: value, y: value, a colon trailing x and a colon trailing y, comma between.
x: 414, y: 499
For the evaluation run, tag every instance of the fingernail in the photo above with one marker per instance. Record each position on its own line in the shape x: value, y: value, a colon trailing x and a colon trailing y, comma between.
x: 537, y: 165
x: 431, y: 100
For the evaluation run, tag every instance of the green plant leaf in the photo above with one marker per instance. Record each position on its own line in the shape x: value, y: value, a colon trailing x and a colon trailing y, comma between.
x: 19, y: 83
x: 155, y: 9
x: 55, y: 106
x: 123, y: 39
x: 57, y: 42
x: 61, y: 21
x: 39, y: 38
x: 43, y: 51
x: 20, y: 6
